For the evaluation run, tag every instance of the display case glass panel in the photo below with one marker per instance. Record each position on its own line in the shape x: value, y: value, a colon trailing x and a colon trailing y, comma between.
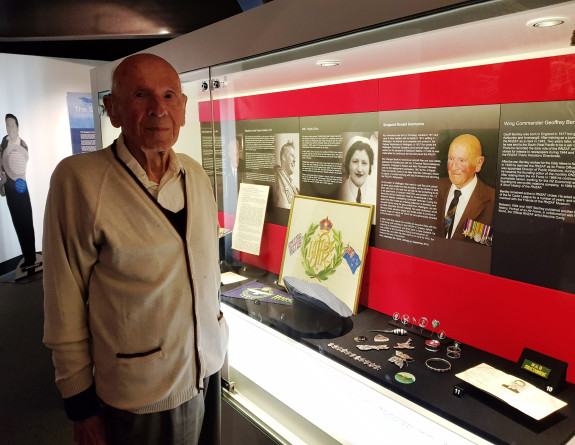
x: 407, y: 91
x: 406, y: 94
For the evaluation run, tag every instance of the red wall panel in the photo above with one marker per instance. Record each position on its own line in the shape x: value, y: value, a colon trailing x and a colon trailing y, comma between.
x: 534, y: 80
x: 357, y: 97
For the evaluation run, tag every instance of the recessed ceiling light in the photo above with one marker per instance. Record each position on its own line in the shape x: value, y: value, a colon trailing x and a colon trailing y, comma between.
x: 163, y: 31
x: 328, y: 62
x: 546, y: 22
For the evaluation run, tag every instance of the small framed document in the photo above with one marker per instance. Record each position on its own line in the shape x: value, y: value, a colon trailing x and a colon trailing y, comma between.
x: 326, y: 243
x: 249, y: 223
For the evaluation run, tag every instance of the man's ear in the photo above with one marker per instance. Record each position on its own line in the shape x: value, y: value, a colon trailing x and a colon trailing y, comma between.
x: 185, y: 99
x: 480, y: 162
x: 111, y: 110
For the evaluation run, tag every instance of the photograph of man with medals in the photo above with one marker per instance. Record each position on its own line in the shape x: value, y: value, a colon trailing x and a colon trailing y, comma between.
x: 465, y: 203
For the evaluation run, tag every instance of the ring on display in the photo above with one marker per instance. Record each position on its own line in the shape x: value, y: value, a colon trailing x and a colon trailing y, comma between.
x: 453, y: 351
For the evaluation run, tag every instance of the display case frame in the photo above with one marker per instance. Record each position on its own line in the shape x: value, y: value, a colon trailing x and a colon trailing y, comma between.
x: 249, y: 87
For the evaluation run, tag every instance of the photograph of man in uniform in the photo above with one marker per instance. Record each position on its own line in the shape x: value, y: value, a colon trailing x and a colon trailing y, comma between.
x: 463, y: 196
x: 285, y: 187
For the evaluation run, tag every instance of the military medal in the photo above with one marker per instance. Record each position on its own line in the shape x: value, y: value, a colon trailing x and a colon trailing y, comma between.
x: 479, y: 232
x: 467, y: 228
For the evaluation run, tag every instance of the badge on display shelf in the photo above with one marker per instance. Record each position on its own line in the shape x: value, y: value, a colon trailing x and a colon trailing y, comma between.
x: 422, y: 323
x: 404, y: 345
x: 380, y: 338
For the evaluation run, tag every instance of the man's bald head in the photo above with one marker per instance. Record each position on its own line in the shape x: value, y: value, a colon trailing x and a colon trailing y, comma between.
x: 146, y: 102
x: 464, y: 159
x: 143, y: 61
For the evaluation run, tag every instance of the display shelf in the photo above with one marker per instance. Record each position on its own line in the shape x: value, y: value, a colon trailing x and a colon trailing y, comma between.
x: 431, y: 395
x: 346, y: 406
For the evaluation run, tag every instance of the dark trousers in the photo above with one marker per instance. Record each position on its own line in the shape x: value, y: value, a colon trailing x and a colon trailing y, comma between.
x: 198, y: 421
x: 21, y: 213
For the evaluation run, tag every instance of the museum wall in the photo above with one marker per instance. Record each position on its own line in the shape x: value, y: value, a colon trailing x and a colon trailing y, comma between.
x: 34, y: 89
x: 509, y: 291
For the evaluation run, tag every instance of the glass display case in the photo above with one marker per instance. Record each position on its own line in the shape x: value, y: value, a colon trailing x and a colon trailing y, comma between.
x: 287, y: 121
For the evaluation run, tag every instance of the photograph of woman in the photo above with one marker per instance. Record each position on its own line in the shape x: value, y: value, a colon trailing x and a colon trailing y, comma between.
x: 358, y: 183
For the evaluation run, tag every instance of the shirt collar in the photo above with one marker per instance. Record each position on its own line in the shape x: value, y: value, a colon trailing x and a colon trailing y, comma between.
x: 466, y: 190
x: 353, y: 188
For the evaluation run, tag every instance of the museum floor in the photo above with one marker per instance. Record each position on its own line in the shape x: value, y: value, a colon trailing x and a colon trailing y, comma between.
x: 30, y: 406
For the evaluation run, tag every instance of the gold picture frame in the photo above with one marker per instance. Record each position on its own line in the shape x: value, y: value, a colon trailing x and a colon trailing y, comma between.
x: 326, y: 244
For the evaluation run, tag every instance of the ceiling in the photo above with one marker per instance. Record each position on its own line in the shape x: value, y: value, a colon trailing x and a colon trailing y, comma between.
x: 104, y: 29
x: 501, y: 38
x: 111, y: 29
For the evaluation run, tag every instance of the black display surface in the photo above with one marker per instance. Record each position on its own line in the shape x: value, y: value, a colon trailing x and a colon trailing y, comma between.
x: 473, y: 410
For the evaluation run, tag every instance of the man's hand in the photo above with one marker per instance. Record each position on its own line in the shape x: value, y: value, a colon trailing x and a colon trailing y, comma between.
x: 91, y: 431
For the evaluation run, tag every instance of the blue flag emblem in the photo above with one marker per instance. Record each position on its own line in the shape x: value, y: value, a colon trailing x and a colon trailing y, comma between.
x: 352, y: 258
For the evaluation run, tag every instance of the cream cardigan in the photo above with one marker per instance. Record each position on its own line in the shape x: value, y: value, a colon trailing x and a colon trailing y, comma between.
x: 121, y: 308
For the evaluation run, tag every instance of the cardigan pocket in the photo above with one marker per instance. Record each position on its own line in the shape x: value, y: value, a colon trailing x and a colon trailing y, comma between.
x: 139, y: 357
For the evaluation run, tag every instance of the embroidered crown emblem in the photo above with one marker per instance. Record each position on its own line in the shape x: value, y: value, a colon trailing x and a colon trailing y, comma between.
x: 325, y: 224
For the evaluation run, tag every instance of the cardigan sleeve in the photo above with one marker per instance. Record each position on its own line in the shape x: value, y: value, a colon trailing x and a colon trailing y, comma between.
x: 69, y: 253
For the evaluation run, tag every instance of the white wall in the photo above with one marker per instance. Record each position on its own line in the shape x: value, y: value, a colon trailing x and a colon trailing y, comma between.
x: 34, y: 90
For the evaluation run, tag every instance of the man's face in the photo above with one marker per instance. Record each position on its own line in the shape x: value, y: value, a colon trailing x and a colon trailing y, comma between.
x: 359, y: 167
x: 147, y: 102
x: 11, y: 128
x: 288, y: 160
x: 462, y: 164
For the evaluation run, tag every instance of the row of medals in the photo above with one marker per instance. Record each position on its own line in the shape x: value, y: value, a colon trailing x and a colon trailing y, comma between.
x: 479, y: 236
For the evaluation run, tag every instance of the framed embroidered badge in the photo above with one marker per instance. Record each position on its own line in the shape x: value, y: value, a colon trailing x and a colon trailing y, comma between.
x: 326, y: 244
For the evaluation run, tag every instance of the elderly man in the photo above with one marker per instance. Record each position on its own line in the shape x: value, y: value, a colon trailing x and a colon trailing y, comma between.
x: 132, y: 279
x: 285, y: 189
x: 463, y: 197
